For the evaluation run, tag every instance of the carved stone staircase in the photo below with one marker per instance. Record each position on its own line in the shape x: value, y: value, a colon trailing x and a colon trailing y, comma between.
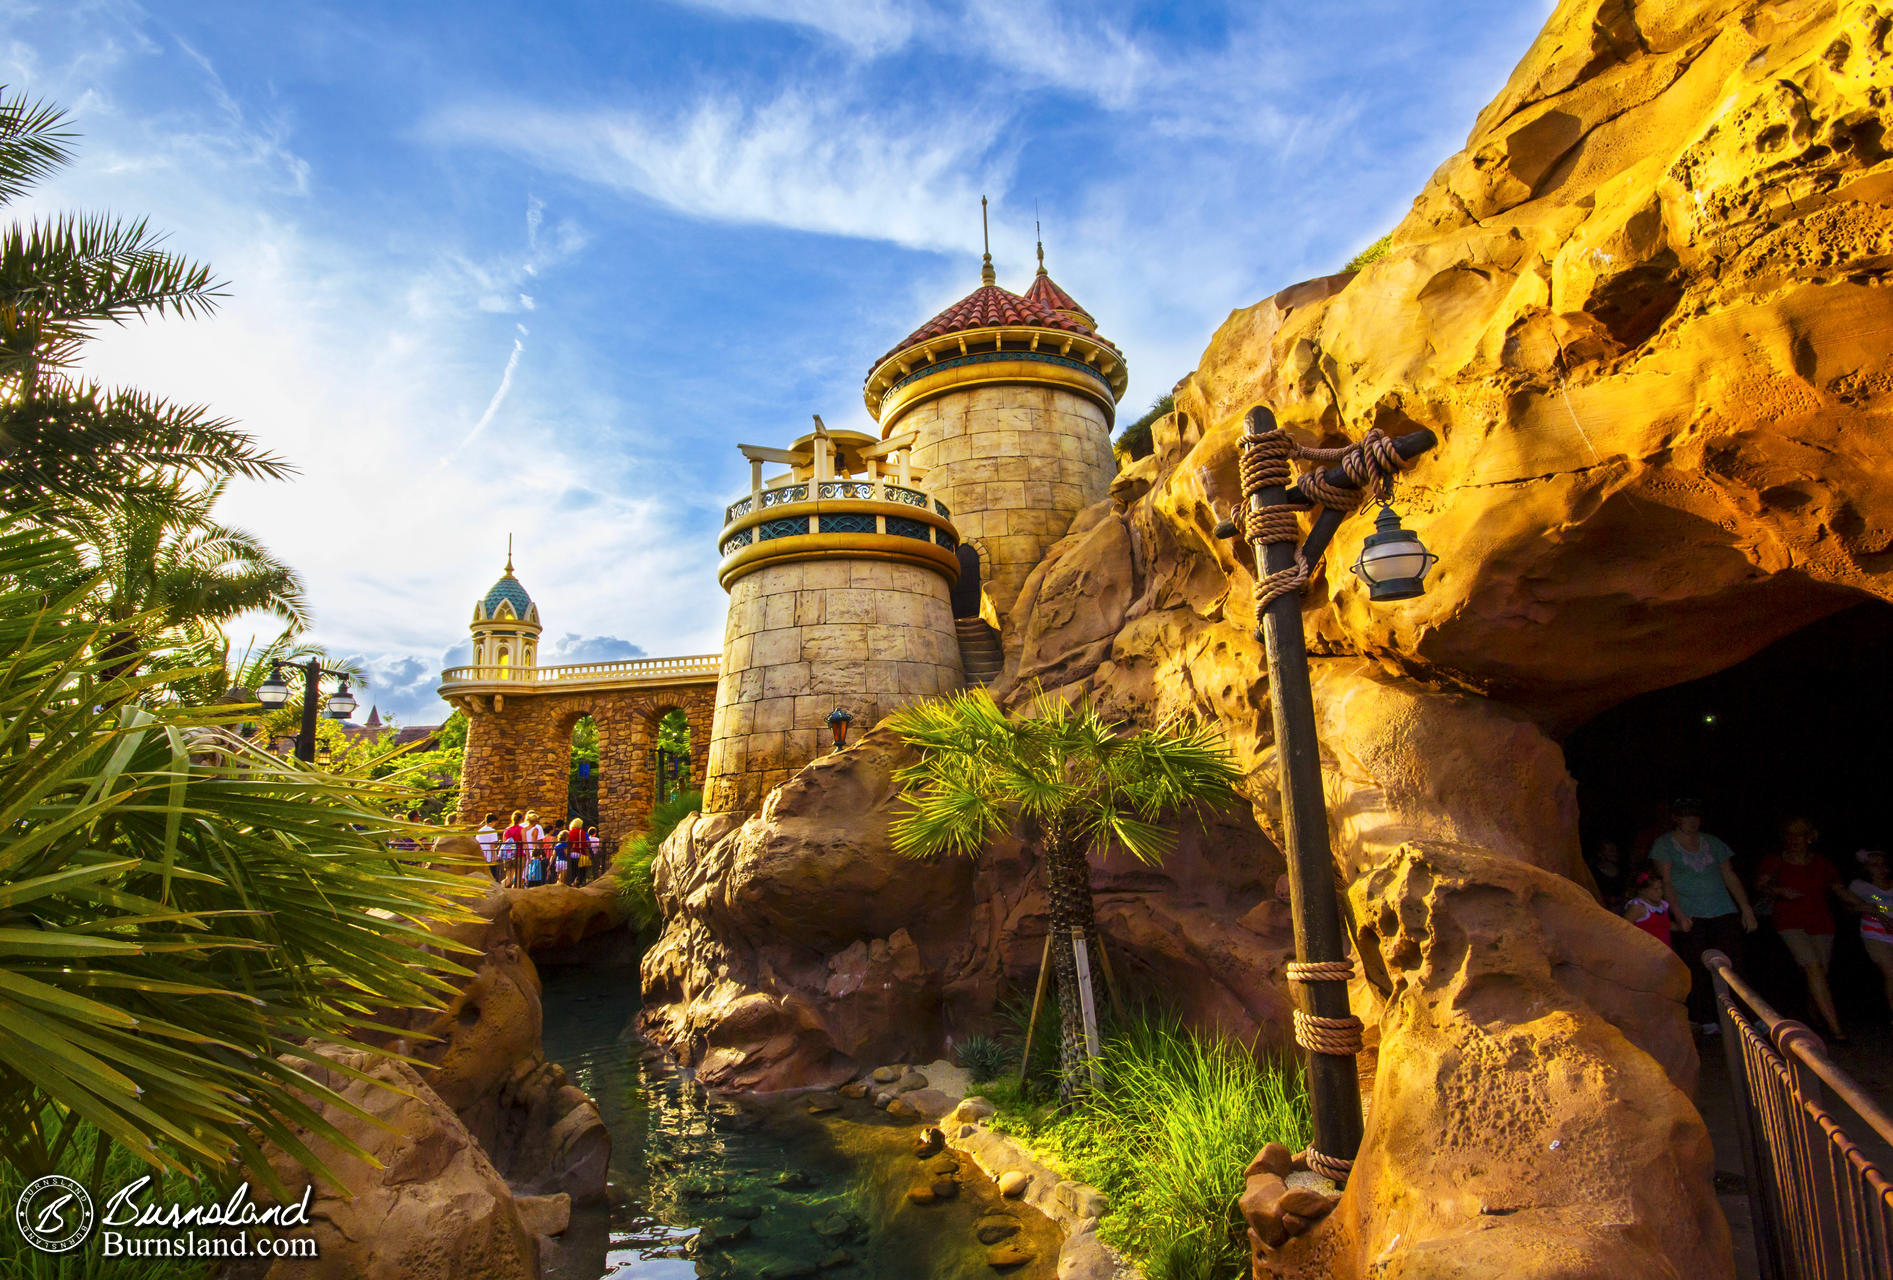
x: 980, y: 654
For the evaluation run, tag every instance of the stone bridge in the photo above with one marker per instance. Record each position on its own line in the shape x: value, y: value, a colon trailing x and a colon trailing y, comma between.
x: 519, y: 733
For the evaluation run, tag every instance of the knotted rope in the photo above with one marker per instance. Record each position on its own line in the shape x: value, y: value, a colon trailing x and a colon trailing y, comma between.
x: 1321, y: 971
x: 1338, y: 1036
x: 1370, y: 464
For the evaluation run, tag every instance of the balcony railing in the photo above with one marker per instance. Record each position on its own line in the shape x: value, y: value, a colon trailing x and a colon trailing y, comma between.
x: 626, y: 671
x: 879, y: 489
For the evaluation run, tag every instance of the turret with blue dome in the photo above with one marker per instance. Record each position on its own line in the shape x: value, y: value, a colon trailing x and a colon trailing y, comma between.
x: 506, y: 626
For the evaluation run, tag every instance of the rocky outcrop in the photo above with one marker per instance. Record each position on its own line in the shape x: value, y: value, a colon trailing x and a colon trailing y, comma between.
x: 427, y: 1205
x: 798, y: 946
x: 486, y: 1062
x: 1522, y: 1121
x: 1645, y: 310
x: 569, y: 924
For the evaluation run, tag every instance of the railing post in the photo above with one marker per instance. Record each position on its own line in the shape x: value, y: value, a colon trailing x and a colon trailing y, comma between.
x: 1755, y: 1165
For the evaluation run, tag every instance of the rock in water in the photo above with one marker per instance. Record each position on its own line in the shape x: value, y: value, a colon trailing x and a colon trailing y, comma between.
x: 1009, y: 1256
x: 822, y: 1104
x: 900, y: 1110
x: 945, y: 1188
x: 1012, y: 1183
x: 931, y: 1142
x: 921, y: 1193
x: 995, y: 1227
x: 854, y: 1089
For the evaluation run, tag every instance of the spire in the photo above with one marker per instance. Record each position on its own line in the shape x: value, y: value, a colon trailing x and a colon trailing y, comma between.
x: 509, y: 555
x: 986, y: 273
x: 1041, y: 239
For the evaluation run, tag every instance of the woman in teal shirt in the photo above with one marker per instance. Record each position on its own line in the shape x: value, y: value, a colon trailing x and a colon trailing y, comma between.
x: 1706, y: 898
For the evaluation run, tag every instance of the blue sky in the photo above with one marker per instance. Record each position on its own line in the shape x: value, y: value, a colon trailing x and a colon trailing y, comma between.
x: 539, y: 268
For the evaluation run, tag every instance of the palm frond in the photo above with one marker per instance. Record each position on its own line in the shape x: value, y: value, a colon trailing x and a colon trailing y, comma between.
x: 32, y: 143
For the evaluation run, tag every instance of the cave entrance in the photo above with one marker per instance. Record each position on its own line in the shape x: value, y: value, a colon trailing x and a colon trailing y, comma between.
x: 1803, y: 728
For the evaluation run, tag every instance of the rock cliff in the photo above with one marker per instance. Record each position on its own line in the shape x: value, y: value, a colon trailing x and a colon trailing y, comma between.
x: 1647, y: 311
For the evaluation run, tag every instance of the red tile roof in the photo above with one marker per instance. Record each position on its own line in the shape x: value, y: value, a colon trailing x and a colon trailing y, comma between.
x: 1047, y: 294
x: 990, y: 305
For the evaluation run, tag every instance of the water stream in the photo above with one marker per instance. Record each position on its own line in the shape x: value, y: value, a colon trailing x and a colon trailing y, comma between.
x: 720, y: 1185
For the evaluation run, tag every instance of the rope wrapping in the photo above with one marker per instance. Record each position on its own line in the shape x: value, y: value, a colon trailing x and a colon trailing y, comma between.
x: 1321, y: 971
x: 1333, y: 1169
x: 1370, y: 464
x: 1338, y: 1036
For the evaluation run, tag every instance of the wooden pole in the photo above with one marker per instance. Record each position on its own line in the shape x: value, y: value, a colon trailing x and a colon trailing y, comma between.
x: 1038, y: 999
x: 1086, y: 1004
x: 1334, y: 1091
x: 1110, y: 980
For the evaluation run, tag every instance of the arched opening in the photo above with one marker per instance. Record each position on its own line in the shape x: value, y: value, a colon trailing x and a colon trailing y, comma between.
x: 506, y: 663
x: 671, y: 756
x: 581, y: 788
x: 965, y: 593
x: 1798, y: 730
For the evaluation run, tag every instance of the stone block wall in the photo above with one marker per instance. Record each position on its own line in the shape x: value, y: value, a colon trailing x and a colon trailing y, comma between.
x: 802, y: 639
x: 1014, y: 463
x: 519, y: 755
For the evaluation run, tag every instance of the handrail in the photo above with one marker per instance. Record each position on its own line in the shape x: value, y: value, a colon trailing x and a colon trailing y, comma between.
x: 886, y: 488
x: 1822, y: 1207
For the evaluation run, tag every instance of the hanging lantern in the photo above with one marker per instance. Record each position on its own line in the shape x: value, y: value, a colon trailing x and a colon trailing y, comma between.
x: 273, y: 692
x: 1394, y: 562
x: 342, y: 702
x: 838, y: 722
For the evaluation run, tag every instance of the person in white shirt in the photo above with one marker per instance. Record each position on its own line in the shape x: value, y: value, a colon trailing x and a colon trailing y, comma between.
x: 489, y: 839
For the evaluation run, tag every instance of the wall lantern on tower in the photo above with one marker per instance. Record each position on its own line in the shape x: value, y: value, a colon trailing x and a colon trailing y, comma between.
x: 838, y: 722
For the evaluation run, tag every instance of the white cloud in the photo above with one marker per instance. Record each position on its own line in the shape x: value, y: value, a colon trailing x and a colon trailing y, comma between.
x: 812, y: 163
x: 868, y: 27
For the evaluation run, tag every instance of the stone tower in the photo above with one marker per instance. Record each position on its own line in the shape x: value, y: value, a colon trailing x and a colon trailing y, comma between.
x: 506, y: 627
x: 838, y: 574
x: 1010, y: 399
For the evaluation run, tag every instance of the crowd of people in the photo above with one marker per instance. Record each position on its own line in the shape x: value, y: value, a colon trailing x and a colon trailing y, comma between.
x: 526, y: 854
x: 1686, y: 893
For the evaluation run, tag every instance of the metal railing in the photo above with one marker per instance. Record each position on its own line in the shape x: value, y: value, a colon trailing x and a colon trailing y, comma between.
x: 1822, y: 1206
x: 588, y: 672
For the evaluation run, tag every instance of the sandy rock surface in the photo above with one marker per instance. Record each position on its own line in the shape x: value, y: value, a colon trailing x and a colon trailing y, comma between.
x: 436, y: 1209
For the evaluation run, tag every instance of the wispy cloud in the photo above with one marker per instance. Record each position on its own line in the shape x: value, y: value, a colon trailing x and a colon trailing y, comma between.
x: 867, y: 27
x: 807, y: 162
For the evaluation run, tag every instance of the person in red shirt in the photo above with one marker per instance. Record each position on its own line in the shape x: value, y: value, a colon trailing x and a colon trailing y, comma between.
x: 513, y: 851
x: 1800, y: 880
x: 1647, y: 909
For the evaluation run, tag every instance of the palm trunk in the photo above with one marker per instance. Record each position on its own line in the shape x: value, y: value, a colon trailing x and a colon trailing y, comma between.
x: 1068, y: 891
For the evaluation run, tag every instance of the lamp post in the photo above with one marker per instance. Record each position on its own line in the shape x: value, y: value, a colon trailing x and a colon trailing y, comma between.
x: 274, y: 692
x: 1394, y: 565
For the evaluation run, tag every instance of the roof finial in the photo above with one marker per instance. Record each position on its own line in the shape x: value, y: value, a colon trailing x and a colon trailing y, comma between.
x: 986, y: 273
x: 1040, y: 234
x: 509, y: 555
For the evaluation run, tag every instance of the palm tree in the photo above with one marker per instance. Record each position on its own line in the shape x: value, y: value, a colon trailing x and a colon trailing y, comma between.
x: 1068, y: 783
x: 179, y: 940
x: 60, y: 280
x: 167, y: 574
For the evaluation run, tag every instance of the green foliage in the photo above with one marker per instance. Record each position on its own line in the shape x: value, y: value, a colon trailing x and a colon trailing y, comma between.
x: 1064, y: 769
x: 1167, y: 1136
x: 177, y: 938
x: 1135, y: 441
x: 1372, y: 253
x: 984, y: 1056
x: 60, y: 281
x: 631, y: 870
x: 18, y: 1262
x: 673, y: 731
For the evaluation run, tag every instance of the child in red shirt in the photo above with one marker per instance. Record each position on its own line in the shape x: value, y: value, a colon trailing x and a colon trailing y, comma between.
x: 1647, y: 909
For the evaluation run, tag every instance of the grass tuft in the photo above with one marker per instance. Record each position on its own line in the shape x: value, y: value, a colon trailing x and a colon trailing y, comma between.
x: 1167, y: 1137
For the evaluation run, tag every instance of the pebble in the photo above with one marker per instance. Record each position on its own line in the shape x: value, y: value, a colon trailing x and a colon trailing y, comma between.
x: 886, y: 1075
x: 1012, y: 1183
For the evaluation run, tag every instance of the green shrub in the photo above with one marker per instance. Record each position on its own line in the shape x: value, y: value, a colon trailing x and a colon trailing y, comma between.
x: 1372, y: 253
x: 1167, y: 1135
x: 984, y: 1056
x: 630, y: 872
x: 1134, y: 441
